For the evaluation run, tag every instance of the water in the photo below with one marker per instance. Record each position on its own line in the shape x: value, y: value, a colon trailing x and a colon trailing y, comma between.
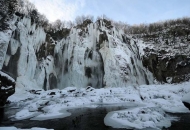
x: 84, y: 119
x: 182, y: 124
x: 81, y: 119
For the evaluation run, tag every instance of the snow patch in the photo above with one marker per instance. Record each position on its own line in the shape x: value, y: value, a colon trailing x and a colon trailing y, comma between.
x: 14, y: 128
x: 139, y: 118
x: 186, y: 98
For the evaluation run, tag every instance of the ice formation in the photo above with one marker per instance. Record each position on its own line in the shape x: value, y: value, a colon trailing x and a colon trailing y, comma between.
x: 14, y: 128
x: 91, y: 60
x: 94, y: 55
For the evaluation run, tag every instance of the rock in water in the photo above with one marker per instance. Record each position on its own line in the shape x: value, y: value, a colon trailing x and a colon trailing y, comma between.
x: 7, y: 87
x: 187, y: 105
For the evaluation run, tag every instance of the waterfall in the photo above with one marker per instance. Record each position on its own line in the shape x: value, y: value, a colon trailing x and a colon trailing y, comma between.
x: 94, y: 55
x: 101, y: 57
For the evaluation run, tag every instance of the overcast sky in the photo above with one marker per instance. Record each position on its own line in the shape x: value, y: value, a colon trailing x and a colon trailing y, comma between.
x: 129, y: 11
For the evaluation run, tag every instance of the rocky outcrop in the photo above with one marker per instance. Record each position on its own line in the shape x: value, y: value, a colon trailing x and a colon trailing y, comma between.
x: 7, y: 87
x: 167, y: 51
x: 187, y: 105
x: 171, y: 66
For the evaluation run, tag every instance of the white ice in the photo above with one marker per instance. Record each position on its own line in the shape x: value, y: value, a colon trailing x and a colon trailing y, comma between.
x: 14, y: 128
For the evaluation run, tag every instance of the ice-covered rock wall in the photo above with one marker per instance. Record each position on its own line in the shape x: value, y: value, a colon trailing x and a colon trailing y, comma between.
x: 20, y: 59
x: 5, y: 36
x: 78, y: 61
x: 93, y: 54
x: 122, y: 62
x: 100, y: 57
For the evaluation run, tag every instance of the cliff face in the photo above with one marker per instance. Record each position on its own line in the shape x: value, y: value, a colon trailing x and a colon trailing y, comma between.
x: 99, y: 56
x: 169, y: 67
x: 94, y: 56
x: 91, y: 54
x: 167, y: 54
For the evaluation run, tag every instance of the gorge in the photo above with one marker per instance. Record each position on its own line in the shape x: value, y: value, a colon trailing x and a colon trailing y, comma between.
x: 94, y: 56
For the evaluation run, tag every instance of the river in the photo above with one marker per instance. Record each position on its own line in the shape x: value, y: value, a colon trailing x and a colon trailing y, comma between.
x: 83, y: 119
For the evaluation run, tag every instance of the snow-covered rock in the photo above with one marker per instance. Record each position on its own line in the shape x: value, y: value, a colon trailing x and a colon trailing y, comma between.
x: 168, y: 64
x: 95, y: 56
x: 139, y: 118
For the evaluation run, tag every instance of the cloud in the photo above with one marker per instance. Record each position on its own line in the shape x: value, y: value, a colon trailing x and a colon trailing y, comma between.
x: 59, y: 9
x: 130, y: 11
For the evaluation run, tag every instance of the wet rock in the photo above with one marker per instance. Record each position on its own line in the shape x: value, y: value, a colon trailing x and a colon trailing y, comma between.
x: 38, y: 92
x: 52, y: 93
x: 71, y: 90
x: 187, y: 105
x: 52, y: 81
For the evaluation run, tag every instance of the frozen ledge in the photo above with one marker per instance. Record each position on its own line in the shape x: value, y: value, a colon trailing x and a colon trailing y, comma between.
x: 14, y: 128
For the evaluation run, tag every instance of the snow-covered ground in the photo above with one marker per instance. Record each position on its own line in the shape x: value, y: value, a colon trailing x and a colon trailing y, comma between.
x: 148, y: 104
